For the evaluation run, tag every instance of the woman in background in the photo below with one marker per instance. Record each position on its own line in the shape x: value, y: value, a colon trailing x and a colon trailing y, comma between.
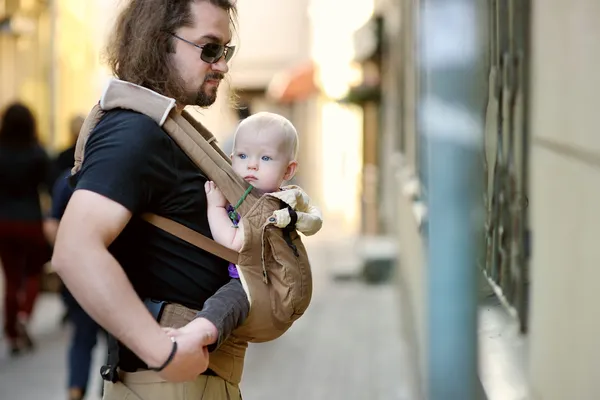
x: 24, y: 171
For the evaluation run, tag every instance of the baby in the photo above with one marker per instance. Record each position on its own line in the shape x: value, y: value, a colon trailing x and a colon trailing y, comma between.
x: 265, y: 148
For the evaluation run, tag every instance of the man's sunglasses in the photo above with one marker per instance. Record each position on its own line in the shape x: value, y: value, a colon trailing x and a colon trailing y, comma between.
x: 211, y: 52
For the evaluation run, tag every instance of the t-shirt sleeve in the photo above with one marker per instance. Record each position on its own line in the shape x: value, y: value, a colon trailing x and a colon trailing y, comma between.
x: 128, y: 159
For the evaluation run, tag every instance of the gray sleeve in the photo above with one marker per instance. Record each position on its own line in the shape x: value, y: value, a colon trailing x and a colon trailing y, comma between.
x: 226, y: 309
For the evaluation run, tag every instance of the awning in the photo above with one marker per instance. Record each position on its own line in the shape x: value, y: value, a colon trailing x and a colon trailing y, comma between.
x: 295, y: 84
x: 362, y: 94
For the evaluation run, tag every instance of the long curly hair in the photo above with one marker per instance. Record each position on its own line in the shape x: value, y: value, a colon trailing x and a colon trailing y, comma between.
x: 18, y: 127
x: 139, y: 48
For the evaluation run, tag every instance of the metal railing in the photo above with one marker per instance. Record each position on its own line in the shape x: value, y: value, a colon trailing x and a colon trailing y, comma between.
x: 506, y: 156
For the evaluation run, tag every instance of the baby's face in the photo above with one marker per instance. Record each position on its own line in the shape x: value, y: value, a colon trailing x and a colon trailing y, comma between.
x: 263, y: 159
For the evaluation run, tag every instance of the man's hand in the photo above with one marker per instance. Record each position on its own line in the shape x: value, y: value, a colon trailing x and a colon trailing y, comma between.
x: 214, y: 197
x: 191, y: 358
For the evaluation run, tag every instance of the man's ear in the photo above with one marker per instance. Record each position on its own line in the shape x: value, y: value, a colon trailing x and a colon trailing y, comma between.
x: 290, y: 171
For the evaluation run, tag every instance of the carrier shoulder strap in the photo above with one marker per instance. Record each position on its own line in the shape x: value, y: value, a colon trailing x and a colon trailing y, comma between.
x: 192, y: 237
x: 194, y: 140
x: 189, y: 134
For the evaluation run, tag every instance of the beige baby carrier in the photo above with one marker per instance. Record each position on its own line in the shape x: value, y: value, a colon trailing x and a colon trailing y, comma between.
x: 272, y: 264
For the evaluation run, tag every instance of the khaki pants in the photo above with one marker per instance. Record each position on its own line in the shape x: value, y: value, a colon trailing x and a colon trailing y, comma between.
x: 147, y: 385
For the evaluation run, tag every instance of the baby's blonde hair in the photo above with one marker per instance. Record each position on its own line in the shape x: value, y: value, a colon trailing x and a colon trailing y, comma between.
x: 272, y: 122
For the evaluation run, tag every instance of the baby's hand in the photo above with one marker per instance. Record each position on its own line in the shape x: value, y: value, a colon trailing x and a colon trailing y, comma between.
x: 214, y: 197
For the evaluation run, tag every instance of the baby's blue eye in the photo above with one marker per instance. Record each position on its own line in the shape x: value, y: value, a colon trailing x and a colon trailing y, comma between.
x: 266, y: 158
x: 242, y: 156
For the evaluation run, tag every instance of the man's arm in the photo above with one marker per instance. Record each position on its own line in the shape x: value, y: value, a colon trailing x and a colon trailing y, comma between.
x: 90, y: 224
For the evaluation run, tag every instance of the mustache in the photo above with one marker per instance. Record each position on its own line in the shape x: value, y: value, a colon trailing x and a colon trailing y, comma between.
x: 214, y: 76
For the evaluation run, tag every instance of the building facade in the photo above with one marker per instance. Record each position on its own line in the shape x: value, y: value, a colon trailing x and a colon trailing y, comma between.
x: 50, y: 59
x: 535, y: 259
x: 26, y: 58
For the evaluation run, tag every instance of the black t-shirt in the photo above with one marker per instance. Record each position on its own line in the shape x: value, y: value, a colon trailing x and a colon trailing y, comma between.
x: 131, y: 160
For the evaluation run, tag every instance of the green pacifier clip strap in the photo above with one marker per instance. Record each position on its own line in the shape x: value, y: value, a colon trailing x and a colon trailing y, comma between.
x: 232, y: 213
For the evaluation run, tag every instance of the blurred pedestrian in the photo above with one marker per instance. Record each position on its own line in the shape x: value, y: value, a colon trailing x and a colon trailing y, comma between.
x: 66, y: 158
x: 64, y: 161
x: 85, y: 329
x: 24, y: 172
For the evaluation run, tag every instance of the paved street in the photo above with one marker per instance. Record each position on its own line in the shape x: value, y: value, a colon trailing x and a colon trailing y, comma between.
x: 346, y: 347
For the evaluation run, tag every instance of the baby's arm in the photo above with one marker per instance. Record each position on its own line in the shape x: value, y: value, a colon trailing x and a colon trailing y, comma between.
x: 221, y: 227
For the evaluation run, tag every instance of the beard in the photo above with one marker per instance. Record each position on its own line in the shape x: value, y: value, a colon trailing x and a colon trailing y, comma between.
x: 206, y: 96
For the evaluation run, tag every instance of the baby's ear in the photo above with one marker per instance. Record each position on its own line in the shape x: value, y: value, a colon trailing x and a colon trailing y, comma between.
x: 290, y: 171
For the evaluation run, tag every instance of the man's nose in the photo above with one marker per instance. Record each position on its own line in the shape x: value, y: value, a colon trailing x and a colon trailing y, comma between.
x: 220, y: 66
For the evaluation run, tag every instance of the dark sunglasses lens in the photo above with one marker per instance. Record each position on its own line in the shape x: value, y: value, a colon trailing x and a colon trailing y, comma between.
x: 212, y: 52
x: 229, y: 53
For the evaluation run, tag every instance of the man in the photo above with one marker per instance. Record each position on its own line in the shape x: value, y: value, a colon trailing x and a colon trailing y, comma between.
x: 107, y: 256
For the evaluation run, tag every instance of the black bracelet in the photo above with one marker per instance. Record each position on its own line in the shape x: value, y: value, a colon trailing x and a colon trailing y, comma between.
x: 169, y: 359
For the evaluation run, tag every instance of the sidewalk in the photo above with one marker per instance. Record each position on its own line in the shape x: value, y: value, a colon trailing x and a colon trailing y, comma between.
x: 346, y: 347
